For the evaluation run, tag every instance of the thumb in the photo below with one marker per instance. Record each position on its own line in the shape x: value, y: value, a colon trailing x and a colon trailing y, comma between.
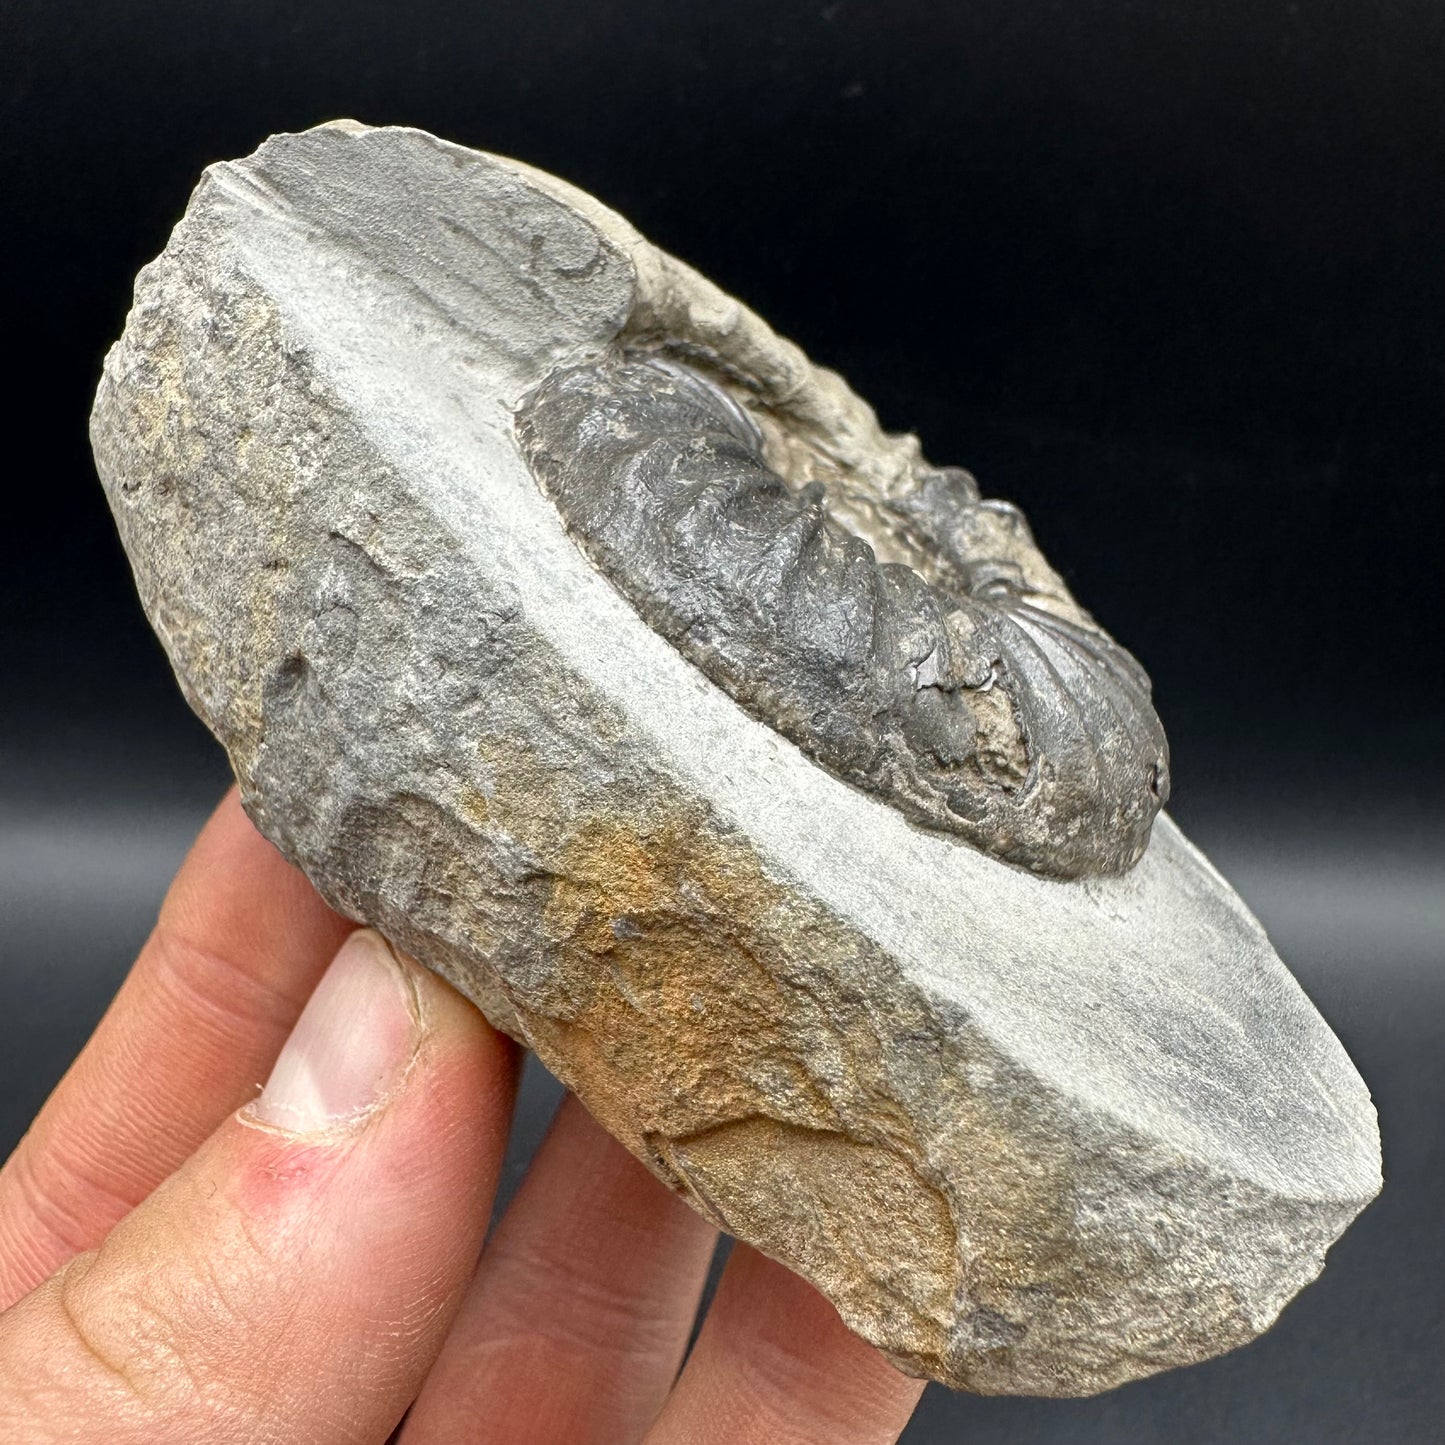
x: 293, y: 1280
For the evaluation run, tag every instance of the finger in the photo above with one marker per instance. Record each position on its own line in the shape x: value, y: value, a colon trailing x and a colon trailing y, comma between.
x: 293, y: 1280
x: 576, y: 1324
x: 774, y: 1365
x: 240, y: 942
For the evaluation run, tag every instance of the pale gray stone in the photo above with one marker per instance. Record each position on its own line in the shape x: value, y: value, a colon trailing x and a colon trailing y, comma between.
x: 1040, y: 1128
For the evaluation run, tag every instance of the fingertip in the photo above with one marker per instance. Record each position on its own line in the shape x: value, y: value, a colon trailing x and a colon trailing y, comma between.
x: 351, y: 1046
x: 456, y: 1023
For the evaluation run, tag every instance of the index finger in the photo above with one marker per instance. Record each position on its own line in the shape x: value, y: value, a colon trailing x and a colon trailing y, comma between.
x: 241, y: 940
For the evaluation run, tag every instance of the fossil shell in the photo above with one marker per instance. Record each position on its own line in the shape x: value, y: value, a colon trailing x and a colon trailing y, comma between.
x: 970, y: 692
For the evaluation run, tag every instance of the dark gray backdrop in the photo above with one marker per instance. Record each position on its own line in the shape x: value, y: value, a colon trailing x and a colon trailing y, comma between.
x: 1168, y: 275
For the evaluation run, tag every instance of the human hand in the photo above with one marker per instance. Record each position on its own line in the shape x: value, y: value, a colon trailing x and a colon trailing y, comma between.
x: 183, y: 1261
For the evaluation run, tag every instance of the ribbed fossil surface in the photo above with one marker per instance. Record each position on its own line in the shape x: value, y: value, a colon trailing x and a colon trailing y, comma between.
x: 970, y: 690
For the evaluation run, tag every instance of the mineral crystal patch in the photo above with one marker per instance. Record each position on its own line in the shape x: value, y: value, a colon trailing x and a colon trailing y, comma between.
x: 569, y: 626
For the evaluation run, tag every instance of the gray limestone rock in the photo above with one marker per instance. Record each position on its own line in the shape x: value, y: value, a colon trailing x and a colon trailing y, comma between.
x: 566, y: 624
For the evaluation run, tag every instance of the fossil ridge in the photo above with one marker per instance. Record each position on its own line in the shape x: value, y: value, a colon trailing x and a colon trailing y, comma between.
x: 1029, y: 1133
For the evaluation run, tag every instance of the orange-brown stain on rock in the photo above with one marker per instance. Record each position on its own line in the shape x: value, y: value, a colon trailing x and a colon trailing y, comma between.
x: 680, y: 1017
x: 473, y: 803
x: 688, y: 1042
x: 826, y: 1200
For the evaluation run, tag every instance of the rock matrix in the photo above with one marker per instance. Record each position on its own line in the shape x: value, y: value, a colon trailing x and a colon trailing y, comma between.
x: 566, y: 624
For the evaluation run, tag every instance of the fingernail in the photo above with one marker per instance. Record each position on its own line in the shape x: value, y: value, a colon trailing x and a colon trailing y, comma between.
x: 350, y: 1046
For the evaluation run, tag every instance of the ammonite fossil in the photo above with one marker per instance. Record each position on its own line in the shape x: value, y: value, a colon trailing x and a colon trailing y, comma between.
x: 568, y: 625
x: 960, y: 682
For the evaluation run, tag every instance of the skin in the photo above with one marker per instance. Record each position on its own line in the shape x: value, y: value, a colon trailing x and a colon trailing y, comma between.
x: 174, y: 1269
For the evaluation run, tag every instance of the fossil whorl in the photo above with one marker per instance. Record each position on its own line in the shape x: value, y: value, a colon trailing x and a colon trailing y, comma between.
x: 960, y: 683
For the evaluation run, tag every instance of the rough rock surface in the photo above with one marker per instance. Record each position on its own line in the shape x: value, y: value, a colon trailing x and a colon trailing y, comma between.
x: 1029, y: 1135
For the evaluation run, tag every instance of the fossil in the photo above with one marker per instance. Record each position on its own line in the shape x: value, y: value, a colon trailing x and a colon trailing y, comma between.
x: 568, y: 625
x: 968, y: 689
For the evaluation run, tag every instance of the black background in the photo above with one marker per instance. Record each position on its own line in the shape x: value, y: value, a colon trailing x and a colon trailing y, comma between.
x: 1168, y: 275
